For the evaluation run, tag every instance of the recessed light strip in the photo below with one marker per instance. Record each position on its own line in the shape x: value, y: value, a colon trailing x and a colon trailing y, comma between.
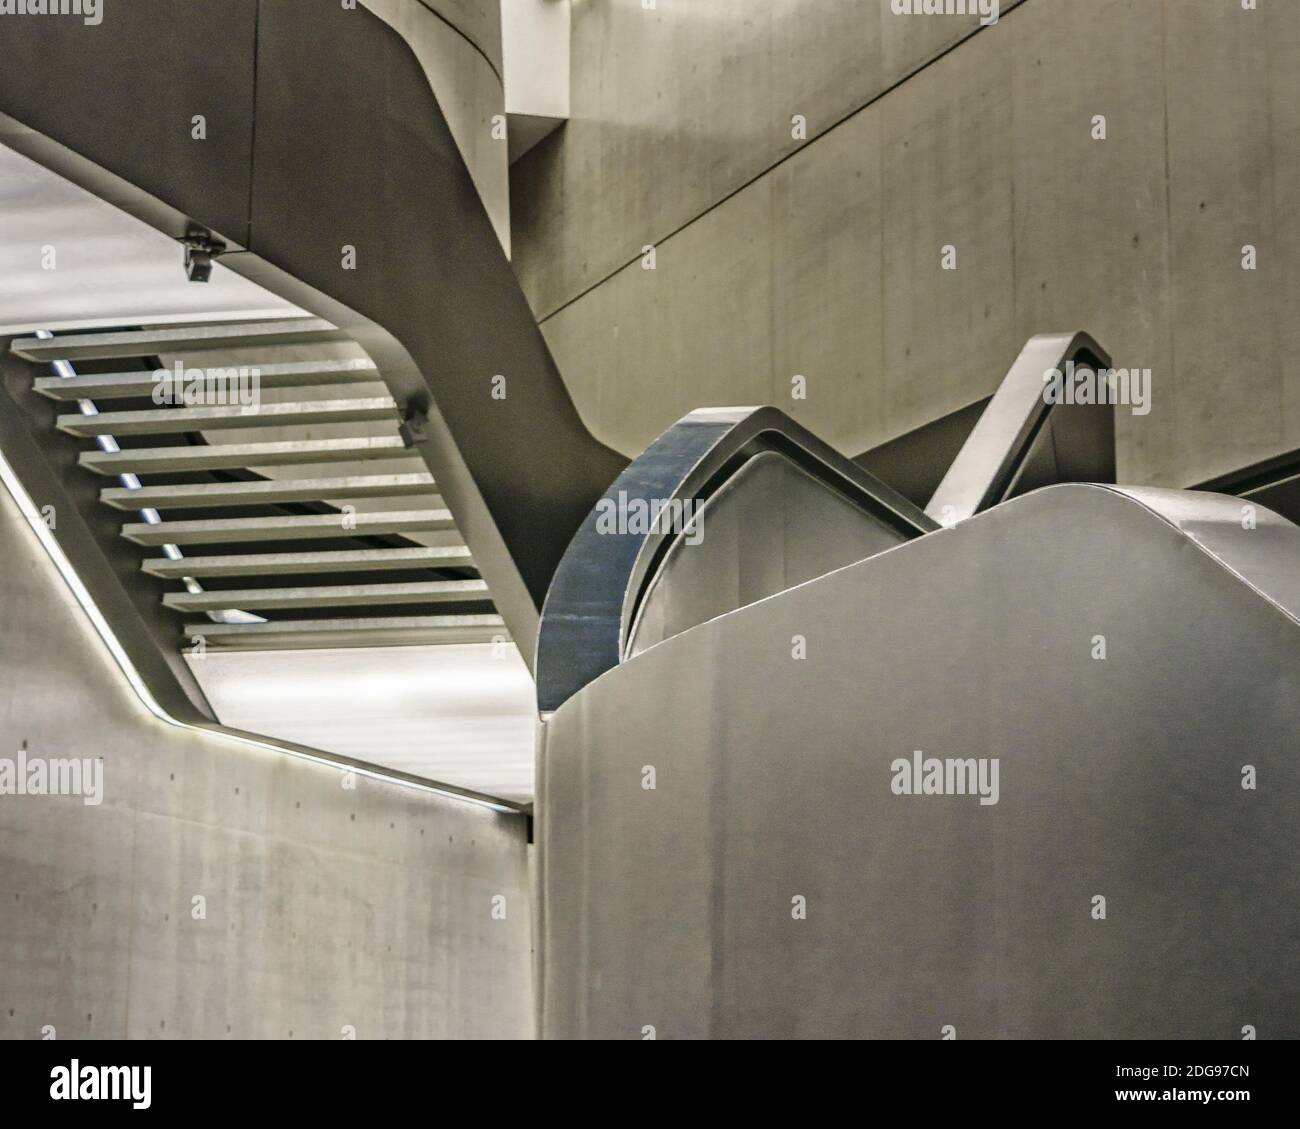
x: 60, y: 561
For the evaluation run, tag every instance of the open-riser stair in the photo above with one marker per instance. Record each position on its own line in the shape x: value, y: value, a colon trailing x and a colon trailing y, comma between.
x: 289, y: 541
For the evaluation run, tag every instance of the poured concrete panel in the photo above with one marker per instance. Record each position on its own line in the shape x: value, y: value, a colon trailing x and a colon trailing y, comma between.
x: 674, y: 108
x: 479, y: 21
x: 1091, y: 235
x: 1221, y: 151
x: 949, y: 286
x: 325, y: 907
x: 1284, y: 92
x: 989, y: 148
x: 828, y: 317
x: 703, y: 314
x: 168, y: 72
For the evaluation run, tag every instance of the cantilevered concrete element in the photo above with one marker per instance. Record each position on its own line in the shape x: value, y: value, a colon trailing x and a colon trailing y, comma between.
x: 421, y: 283
x: 267, y: 491
x: 239, y: 530
x: 166, y: 421
x: 1033, y: 776
x: 164, y: 460
x: 346, y: 514
x: 535, y: 37
x: 129, y: 385
x: 148, y: 342
x: 329, y: 596
x: 293, y: 564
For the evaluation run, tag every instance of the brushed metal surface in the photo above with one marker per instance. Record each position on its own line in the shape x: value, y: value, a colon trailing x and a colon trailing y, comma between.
x: 1120, y: 778
x: 601, y: 584
x: 1022, y: 442
x: 771, y: 526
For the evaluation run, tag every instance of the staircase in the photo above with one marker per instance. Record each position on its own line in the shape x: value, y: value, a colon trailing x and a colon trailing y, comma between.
x: 297, y: 518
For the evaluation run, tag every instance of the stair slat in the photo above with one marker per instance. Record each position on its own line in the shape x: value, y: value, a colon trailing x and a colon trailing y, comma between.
x: 230, y: 456
x: 333, y: 596
x: 305, y: 564
x: 267, y: 492
x: 110, y: 344
x: 126, y: 385
x: 170, y: 420
x: 291, y: 528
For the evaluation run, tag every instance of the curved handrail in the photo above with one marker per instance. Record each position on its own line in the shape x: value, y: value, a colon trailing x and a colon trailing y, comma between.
x: 995, y: 460
x: 602, y: 580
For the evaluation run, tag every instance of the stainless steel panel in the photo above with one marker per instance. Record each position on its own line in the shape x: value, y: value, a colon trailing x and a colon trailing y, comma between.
x: 1022, y: 441
x: 772, y: 526
x: 1119, y: 778
x: 602, y: 583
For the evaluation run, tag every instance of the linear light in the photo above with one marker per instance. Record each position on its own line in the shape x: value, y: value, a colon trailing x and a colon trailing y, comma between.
x: 57, y: 556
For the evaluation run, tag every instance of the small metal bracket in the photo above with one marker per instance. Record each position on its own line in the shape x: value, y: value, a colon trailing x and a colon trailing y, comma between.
x: 414, y: 428
x: 200, y: 250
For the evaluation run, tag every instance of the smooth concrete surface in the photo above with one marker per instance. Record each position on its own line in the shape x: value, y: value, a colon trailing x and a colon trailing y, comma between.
x: 69, y: 260
x: 479, y: 21
x: 535, y: 41
x: 458, y: 43
x: 676, y: 106
x: 823, y: 259
x: 772, y: 882
x: 326, y: 908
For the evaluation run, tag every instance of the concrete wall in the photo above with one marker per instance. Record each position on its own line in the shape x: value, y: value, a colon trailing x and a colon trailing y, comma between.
x: 822, y: 257
x: 458, y: 42
x: 325, y: 907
